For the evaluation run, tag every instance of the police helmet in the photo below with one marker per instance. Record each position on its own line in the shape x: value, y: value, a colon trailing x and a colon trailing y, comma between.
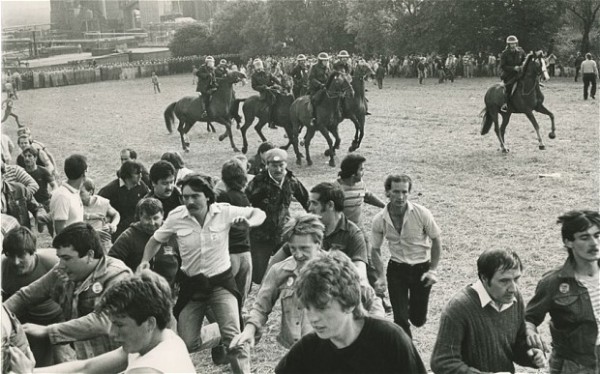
x: 343, y: 54
x: 512, y: 39
x: 223, y: 62
x: 323, y: 56
x: 301, y: 58
x: 209, y: 58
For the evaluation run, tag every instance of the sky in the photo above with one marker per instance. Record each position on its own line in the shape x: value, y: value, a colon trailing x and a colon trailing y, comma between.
x: 24, y: 12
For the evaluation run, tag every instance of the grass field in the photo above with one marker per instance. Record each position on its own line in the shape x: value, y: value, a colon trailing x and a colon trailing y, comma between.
x: 480, y: 197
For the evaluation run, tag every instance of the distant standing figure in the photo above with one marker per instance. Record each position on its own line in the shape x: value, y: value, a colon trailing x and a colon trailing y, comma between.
x: 155, y: 83
x: 379, y: 74
x: 578, y: 61
x: 194, y: 76
x: 421, y: 69
x: 589, y: 71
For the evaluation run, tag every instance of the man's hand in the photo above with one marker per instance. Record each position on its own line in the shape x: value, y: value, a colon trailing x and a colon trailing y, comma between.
x: 241, y: 221
x: 534, y: 340
x: 518, y: 69
x: 429, y: 278
x: 247, y: 336
x: 21, y: 362
x: 34, y: 330
x: 538, y: 357
x: 112, y: 228
x: 144, y: 265
x: 42, y: 216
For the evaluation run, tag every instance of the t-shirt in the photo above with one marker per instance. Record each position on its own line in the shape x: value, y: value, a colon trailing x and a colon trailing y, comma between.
x: 381, y: 347
x: 354, y: 198
x: 43, y: 177
x: 66, y: 205
x: 169, y: 356
x: 48, y: 311
x: 99, y: 207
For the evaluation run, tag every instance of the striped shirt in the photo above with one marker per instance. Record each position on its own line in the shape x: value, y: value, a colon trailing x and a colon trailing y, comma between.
x: 593, y: 288
x: 354, y: 197
x: 15, y: 173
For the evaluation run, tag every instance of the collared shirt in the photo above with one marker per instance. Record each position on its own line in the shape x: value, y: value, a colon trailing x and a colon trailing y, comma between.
x: 486, y: 299
x: 66, y: 205
x: 279, y: 183
x: 413, y: 244
x: 203, y: 249
x: 279, y: 283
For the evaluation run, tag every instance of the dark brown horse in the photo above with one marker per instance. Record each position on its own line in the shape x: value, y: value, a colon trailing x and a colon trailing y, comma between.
x: 354, y: 107
x: 189, y: 110
x: 526, y: 98
x: 327, y: 120
x: 255, y: 108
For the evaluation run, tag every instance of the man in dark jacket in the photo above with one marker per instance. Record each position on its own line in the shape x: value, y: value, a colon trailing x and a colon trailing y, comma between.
x: 265, y: 84
x: 317, y: 78
x: 300, y: 76
x: 129, y: 247
x: 342, y: 64
x: 510, y: 62
x: 207, y: 82
x: 162, y: 175
x: 272, y: 191
x: 578, y: 61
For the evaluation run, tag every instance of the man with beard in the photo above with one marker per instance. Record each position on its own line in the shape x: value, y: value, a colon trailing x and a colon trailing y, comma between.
x: 162, y: 176
x: 129, y: 247
x: 482, y: 328
x: 415, y: 247
x: 201, y: 228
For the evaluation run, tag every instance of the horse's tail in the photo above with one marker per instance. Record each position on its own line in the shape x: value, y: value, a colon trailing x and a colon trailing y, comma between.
x: 486, y: 123
x: 170, y: 117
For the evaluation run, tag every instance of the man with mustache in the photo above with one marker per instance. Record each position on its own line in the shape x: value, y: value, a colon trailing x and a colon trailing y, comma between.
x: 201, y: 228
x: 482, y: 328
x: 162, y: 176
x: 571, y: 294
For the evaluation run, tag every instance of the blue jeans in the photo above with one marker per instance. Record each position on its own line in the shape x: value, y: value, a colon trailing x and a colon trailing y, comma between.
x: 408, y: 295
x: 225, y: 309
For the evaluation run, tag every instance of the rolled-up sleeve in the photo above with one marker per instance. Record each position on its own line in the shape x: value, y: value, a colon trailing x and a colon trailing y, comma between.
x: 168, y: 228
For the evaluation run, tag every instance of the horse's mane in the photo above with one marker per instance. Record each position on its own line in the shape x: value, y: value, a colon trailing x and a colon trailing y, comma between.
x: 530, y: 56
x: 332, y: 76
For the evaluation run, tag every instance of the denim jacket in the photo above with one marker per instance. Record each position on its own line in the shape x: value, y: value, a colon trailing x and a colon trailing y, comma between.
x: 86, y: 328
x: 573, y: 324
x: 279, y: 283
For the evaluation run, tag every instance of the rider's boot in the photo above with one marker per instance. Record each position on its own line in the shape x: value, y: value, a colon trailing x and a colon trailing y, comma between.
x: 206, y: 99
x: 504, y: 107
x: 272, y: 124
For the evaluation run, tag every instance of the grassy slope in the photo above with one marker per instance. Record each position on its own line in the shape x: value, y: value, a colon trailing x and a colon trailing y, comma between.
x: 480, y: 197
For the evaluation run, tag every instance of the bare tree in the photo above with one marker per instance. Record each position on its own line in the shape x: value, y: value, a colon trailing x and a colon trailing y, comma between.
x: 587, y: 12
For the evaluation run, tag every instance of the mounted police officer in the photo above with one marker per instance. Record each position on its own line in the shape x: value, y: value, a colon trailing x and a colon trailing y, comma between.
x: 265, y: 84
x: 317, y: 78
x: 343, y: 63
x: 299, y: 75
x: 510, y: 62
x: 221, y: 70
x: 207, y: 82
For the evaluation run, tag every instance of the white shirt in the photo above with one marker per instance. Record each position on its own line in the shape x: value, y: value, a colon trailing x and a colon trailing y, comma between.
x: 485, y: 298
x: 66, y: 205
x: 169, y: 356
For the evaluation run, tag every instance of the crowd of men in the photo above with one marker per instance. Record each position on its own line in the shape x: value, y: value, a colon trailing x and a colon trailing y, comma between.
x: 197, y: 244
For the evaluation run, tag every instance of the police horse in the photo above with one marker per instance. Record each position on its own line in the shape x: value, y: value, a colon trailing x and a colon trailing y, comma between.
x: 189, y: 110
x: 526, y: 98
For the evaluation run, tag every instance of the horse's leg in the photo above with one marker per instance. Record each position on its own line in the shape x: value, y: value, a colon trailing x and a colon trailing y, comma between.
x: 182, y: 133
x: 325, y: 133
x: 361, y: 127
x: 228, y: 123
x: 310, y: 132
x: 244, y: 128
x: 536, y: 127
x: 259, y: 126
x: 502, y: 131
x: 542, y: 109
x: 356, y: 140
x: 294, y: 142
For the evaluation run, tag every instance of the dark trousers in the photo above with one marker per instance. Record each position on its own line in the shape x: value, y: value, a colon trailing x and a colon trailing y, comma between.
x: 261, y: 252
x: 380, y: 82
x: 589, y: 78
x: 577, y: 73
x: 551, y: 70
x: 408, y: 295
x: 206, y: 100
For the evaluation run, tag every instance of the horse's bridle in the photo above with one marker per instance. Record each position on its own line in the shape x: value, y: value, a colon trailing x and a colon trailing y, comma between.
x: 335, y: 94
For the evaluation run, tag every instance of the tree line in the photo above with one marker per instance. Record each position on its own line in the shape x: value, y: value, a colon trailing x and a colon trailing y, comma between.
x: 287, y: 27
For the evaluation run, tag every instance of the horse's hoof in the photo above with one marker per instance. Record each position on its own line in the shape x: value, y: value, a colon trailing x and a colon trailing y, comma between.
x: 542, y: 147
x: 351, y: 149
x: 299, y: 161
x: 326, y: 153
x: 302, y: 143
x: 505, y: 150
x: 244, y: 150
x: 186, y: 150
x: 552, y: 135
x: 332, y: 163
x: 221, y: 138
x: 309, y: 162
x: 236, y: 150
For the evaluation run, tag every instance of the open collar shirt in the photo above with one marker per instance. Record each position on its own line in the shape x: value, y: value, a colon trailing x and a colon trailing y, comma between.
x: 203, y: 249
x: 485, y: 298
